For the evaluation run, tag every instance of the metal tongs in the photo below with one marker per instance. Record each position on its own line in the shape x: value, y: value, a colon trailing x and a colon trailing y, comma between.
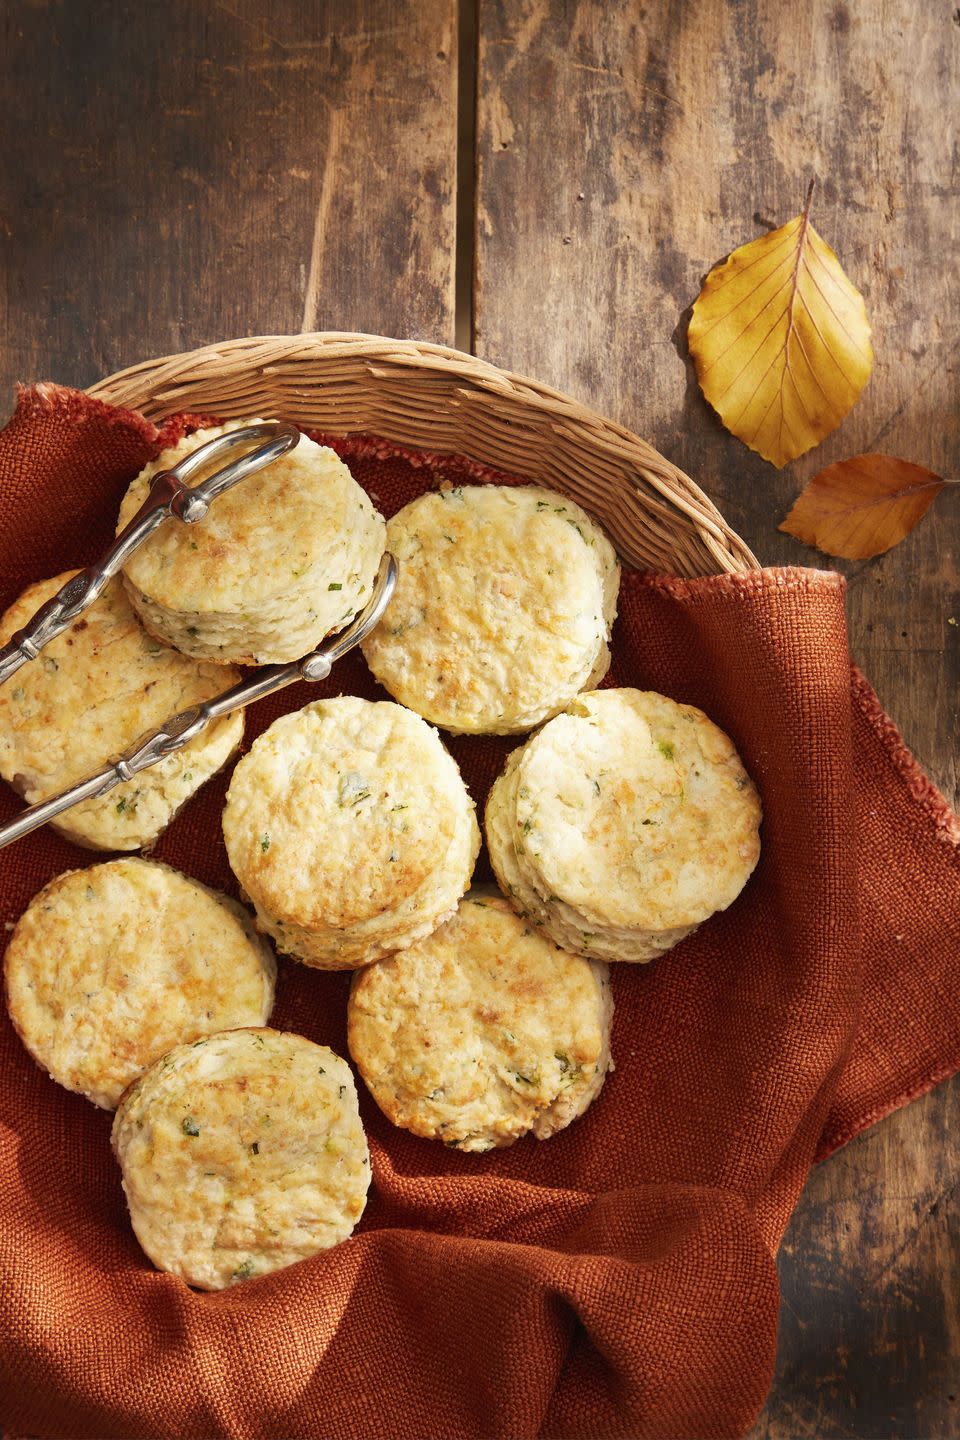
x: 171, y: 497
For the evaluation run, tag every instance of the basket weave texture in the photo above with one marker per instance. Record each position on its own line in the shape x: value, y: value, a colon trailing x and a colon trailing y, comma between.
x: 433, y: 398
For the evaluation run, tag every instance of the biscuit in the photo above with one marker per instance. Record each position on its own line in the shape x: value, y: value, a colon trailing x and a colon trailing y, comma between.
x: 350, y: 830
x: 482, y: 1032
x: 502, y: 611
x: 90, y: 694
x: 241, y: 1154
x: 560, y: 921
x: 109, y: 967
x: 623, y: 824
x: 283, y: 558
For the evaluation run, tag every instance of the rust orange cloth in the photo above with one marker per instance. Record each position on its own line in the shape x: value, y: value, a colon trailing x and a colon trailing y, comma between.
x: 618, y: 1280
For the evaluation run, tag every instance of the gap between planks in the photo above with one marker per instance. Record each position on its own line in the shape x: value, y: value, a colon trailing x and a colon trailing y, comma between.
x: 466, y: 217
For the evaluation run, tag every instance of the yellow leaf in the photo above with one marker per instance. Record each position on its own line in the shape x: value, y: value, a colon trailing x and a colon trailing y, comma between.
x: 861, y: 507
x: 781, y: 341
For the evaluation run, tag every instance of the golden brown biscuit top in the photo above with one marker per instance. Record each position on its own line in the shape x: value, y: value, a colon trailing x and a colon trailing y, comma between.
x: 503, y: 600
x: 342, y: 811
x: 92, y: 692
x: 636, y: 811
x: 258, y: 539
x: 242, y: 1153
x: 110, y: 966
x: 474, y: 1032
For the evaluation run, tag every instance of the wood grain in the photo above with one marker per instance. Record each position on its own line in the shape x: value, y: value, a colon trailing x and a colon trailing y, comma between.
x: 178, y: 173
x: 623, y: 150
x: 869, y: 1340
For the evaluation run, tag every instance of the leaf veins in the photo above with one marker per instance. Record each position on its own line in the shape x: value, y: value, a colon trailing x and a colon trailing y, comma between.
x: 863, y: 506
x: 781, y: 341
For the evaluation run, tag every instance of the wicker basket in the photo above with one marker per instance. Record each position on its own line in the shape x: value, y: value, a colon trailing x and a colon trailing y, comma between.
x: 429, y: 397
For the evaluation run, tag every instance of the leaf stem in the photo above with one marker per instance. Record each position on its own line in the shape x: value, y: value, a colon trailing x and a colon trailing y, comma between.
x: 810, y: 189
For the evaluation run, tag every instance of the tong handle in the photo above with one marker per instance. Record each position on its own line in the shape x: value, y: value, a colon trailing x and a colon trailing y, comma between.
x: 186, y: 725
x: 169, y: 495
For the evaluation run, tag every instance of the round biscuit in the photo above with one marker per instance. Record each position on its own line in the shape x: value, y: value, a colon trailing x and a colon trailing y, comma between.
x: 91, y: 693
x: 637, y: 811
x: 109, y: 967
x: 350, y: 830
x: 241, y: 1154
x: 502, y: 610
x: 282, y: 559
x: 518, y: 879
x: 624, y: 823
x: 482, y: 1032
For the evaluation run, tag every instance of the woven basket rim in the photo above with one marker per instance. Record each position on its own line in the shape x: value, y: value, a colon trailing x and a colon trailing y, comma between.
x: 167, y: 380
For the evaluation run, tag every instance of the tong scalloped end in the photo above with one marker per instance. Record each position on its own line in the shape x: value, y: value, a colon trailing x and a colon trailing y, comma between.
x: 171, y: 497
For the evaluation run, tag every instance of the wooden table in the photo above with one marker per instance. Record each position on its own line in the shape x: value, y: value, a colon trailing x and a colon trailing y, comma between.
x: 177, y: 173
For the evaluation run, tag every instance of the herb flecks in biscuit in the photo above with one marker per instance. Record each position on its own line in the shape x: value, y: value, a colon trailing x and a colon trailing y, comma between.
x: 623, y: 824
x: 241, y: 1154
x: 371, y: 835
x: 483, y: 1032
x: 93, y: 692
x: 281, y: 559
x: 109, y: 967
x: 502, y: 611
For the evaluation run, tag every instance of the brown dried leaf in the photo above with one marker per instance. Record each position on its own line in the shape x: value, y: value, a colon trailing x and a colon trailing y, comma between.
x: 863, y: 506
x: 781, y: 341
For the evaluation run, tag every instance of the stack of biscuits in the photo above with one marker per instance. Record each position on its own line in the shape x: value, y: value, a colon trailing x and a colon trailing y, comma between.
x: 483, y: 1032
x: 242, y: 1153
x: 110, y: 966
x: 281, y: 559
x: 91, y: 693
x: 502, y: 611
x: 350, y: 830
x: 623, y: 824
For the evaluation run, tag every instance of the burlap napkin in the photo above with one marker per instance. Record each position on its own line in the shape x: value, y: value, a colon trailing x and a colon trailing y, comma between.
x: 618, y: 1280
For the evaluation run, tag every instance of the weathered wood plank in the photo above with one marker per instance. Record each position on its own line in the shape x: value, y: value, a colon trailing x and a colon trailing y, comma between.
x: 177, y: 173
x: 870, y: 1270
x: 622, y: 151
